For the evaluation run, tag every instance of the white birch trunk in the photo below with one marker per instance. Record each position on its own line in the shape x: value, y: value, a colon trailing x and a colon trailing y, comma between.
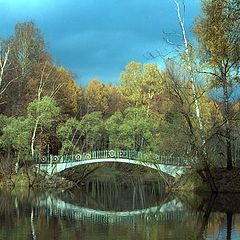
x: 3, y: 63
x: 34, y: 136
x: 193, y: 84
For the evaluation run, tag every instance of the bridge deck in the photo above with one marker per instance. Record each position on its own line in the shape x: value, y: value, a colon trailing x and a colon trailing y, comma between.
x: 117, y: 154
x: 173, y: 166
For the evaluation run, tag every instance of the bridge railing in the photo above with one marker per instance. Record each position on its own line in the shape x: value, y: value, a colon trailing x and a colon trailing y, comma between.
x: 120, y: 154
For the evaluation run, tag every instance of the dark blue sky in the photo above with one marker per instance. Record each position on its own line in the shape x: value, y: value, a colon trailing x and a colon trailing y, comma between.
x: 97, y: 38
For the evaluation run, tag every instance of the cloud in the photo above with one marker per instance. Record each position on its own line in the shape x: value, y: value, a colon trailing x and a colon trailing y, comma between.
x: 98, y: 37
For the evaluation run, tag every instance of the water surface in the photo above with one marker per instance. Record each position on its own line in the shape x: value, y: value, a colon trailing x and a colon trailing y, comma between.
x: 111, y: 211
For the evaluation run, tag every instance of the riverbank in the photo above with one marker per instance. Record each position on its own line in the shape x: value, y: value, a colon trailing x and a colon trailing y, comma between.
x: 226, y: 181
x: 31, y: 179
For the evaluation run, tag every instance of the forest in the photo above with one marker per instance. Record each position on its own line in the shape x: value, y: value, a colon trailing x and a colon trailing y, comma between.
x: 188, y: 108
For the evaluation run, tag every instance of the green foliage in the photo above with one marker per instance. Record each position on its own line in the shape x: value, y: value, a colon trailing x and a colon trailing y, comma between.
x: 88, y: 132
x: 66, y: 132
x: 171, y: 136
x: 17, y: 134
x: 44, y: 110
x: 112, y: 126
x: 4, y: 120
x: 131, y: 130
x: 92, y: 126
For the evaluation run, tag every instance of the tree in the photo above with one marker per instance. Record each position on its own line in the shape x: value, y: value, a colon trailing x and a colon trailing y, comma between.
x: 91, y: 126
x: 26, y: 57
x: 68, y: 132
x: 16, y: 135
x: 115, y: 100
x: 5, y: 49
x: 130, y: 130
x: 58, y: 83
x: 140, y: 83
x: 131, y: 82
x: 42, y: 112
x: 112, y: 126
x: 28, y: 52
x: 95, y: 97
x: 179, y: 88
x: 218, y: 36
x: 66, y: 92
x: 104, y: 98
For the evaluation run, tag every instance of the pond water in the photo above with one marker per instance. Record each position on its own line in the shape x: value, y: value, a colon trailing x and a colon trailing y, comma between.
x: 111, y: 211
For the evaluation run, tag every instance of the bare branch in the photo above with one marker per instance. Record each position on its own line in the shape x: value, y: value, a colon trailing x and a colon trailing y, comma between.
x: 7, y: 85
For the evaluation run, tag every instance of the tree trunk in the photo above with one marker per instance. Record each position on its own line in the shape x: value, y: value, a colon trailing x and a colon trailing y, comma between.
x: 192, y: 80
x: 198, y: 115
x: 227, y: 121
x: 34, y: 136
x: 210, y: 179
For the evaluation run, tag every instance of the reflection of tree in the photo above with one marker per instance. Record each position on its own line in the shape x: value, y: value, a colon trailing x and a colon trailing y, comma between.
x: 214, y: 222
x: 204, y: 221
x: 7, y: 211
x: 229, y: 225
x: 210, y: 216
x: 116, y: 195
x: 32, y: 226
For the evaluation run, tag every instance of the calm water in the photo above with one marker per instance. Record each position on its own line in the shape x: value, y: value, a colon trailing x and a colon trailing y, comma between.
x: 109, y: 211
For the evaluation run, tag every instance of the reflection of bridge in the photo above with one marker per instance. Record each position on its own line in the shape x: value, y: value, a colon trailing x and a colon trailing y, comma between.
x: 169, y: 211
x: 170, y: 165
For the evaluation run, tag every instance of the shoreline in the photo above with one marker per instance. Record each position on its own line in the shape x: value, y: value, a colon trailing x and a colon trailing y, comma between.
x: 226, y: 181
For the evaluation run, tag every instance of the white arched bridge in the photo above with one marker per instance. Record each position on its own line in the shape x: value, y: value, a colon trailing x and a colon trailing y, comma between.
x: 170, y: 165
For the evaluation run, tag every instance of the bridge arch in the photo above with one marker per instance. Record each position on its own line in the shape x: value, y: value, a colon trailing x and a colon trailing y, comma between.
x: 169, y: 165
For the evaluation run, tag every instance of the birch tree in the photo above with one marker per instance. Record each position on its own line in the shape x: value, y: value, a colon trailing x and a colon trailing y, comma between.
x: 5, y: 62
x: 43, y: 112
x: 29, y: 51
x: 218, y: 35
x: 195, y: 95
